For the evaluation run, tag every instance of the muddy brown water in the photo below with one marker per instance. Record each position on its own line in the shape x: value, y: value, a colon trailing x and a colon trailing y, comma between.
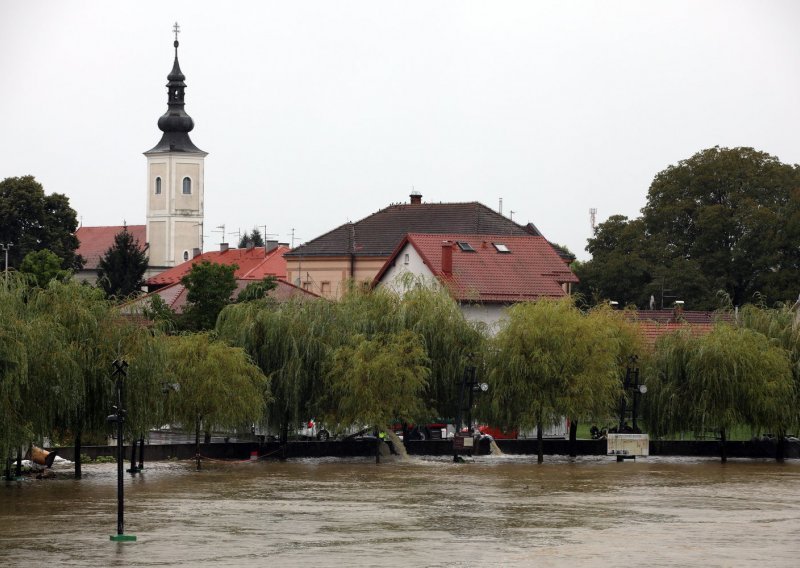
x: 494, y: 511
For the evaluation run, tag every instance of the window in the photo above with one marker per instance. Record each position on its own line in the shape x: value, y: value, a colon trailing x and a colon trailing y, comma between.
x: 158, y: 186
x: 325, y: 289
x: 187, y: 186
x: 407, y: 259
x: 465, y: 246
x: 501, y: 247
x: 185, y: 255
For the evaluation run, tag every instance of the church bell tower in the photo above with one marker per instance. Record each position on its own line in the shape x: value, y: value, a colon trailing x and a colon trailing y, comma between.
x: 174, y: 181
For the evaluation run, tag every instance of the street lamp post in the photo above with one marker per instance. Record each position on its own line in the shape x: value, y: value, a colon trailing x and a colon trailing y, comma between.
x: 120, y: 372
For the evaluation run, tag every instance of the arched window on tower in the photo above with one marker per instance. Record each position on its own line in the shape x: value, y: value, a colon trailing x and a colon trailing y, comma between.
x: 187, y: 186
x: 185, y: 255
x: 158, y: 186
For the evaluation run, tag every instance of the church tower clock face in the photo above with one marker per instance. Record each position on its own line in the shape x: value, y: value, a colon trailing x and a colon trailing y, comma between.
x: 175, y: 173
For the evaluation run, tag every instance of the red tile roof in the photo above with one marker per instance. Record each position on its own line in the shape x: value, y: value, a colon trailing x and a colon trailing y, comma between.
x: 530, y: 270
x: 651, y: 331
x: 254, y: 264
x: 174, y: 295
x: 95, y: 241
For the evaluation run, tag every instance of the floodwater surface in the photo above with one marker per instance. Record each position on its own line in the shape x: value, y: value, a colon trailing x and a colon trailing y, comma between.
x: 494, y: 511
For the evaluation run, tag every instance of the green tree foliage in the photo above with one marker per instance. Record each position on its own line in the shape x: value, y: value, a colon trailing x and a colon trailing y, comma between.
x: 257, y: 290
x: 43, y: 266
x: 781, y: 325
x: 32, y: 221
x: 122, y: 267
x: 724, y: 219
x: 294, y: 342
x: 377, y: 381
x: 732, y: 376
x: 549, y: 361
x: 219, y: 387
x: 209, y: 288
x: 253, y: 238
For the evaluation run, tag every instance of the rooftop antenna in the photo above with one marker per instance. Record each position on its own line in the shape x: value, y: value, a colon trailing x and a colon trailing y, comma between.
x: 264, y: 236
x: 512, y: 214
x: 238, y: 233
x: 220, y: 229
x: 593, y: 217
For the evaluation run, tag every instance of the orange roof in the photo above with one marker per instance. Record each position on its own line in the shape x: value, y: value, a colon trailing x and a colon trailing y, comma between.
x: 95, y: 241
x: 254, y: 264
x: 531, y: 268
x: 651, y: 330
x: 174, y: 295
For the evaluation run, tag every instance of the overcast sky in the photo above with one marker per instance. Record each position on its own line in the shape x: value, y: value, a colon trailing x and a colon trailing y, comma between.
x: 316, y: 113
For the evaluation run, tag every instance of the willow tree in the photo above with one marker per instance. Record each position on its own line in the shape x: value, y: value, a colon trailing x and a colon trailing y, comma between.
x: 451, y: 343
x: 377, y: 381
x: 549, y: 361
x: 218, y: 385
x: 782, y: 326
x: 729, y: 377
x: 290, y: 343
x: 86, y: 325
x: 14, y: 424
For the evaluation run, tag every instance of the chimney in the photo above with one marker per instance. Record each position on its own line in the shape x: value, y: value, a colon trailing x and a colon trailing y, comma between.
x: 223, y: 247
x: 271, y: 245
x: 447, y: 257
x: 416, y: 197
x: 677, y: 311
x: 195, y: 252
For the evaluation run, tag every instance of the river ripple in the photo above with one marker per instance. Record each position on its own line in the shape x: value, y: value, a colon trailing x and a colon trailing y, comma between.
x: 495, y: 511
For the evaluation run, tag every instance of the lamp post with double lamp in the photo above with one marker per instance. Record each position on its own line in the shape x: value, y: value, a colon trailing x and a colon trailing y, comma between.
x: 118, y: 417
x: 469, y: 385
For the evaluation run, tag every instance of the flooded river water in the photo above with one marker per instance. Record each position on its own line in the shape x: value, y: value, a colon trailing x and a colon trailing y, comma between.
x: 495, y: 511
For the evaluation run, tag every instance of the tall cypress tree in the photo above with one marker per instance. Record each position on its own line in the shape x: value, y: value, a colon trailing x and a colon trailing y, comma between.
x: 121, y: 270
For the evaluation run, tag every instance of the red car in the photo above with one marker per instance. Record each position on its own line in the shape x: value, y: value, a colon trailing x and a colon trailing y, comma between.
x: 497, y: 433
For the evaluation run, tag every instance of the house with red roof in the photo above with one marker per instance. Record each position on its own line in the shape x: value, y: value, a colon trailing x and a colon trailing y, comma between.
x: 483, y: 272
x: 254, y: 263
x: 356, y: 251
x: 94, y: 242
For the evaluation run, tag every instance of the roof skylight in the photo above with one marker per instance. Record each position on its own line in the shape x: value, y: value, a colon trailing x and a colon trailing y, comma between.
x: 465, y: 246
x: 501, y: 247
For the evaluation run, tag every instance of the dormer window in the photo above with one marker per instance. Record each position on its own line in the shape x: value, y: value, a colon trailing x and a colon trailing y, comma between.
x: 501, y: 247
x: 465, y: 246
x: 158, y: 186
x: 187, y: 186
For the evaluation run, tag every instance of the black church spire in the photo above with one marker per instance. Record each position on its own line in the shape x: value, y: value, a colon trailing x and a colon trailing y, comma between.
x: 175, y: 123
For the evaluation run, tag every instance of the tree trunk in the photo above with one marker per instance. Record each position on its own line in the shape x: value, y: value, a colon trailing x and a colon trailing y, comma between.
x: 540, y: 442
x: 207, y: 437
x: 133, y: 469
x: 141, y: 453
x: 7, y: 474
x: 722, y: 448
x: 573, y: 437
x: 780, y: 448
x: 78, y: 454
x: 197, y: 442
x: 19, y: 461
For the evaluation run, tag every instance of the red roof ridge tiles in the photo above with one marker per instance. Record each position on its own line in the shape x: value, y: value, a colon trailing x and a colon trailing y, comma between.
x: 253, y: 264
x: 531, y: 269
